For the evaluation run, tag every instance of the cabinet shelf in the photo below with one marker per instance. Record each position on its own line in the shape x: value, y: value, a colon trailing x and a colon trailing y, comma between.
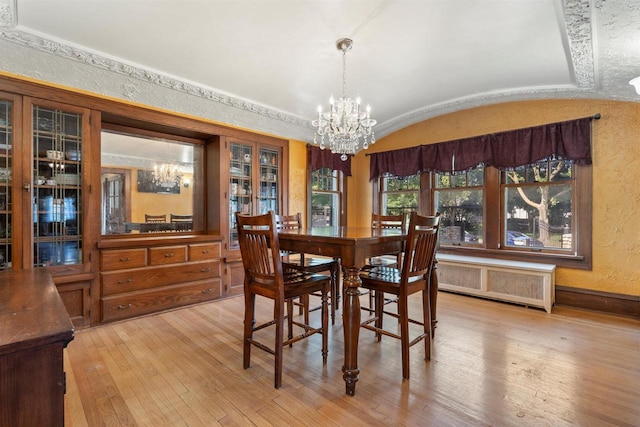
x: 59, y: 185
x: 58, y: 238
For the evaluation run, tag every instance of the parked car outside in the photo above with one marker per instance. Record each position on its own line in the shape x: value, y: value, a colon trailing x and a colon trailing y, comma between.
x: 516, y: 238
x: 470, y: 237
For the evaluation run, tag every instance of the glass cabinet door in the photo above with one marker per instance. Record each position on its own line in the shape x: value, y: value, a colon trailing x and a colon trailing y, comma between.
x: 6, y: 130
x: 240, y: 186
x: 269, y: 175
x: 57, y: 187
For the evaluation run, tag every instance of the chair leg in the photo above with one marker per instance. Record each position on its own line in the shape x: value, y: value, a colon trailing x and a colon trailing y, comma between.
x: 290, y: 320
x: 249, y: 309
x: 379, y: 308
x: 325, y: 326
x: 304, y: 300
x: 403, y: 312
x: 426, y: 318
x: 279, y: 310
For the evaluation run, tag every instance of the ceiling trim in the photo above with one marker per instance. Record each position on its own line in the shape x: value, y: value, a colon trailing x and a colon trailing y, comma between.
x: 8, y: 13
x: 577, y: 17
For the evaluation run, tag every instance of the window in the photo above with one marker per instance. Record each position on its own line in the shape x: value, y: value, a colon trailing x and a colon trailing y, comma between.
x: 539, y: 212
x: 326, y: 198
x: 149, y: 175
x: 459, y: 197
x: 399, y: 195
x: 538, y: 206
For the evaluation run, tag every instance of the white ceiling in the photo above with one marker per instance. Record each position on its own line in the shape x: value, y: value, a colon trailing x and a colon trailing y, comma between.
x: 410, y: 60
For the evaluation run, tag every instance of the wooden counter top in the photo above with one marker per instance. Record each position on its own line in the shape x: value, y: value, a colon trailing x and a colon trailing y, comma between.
x: 32, y: 313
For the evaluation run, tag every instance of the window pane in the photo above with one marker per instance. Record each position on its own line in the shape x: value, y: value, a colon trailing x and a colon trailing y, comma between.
x: 461, y: 215
x: 401, y: 203
x: 144, y: 177
x: 325, y: 209
x: 401, y: 184
x: 325, y: 197
x: 324, y: 179
x: 538, y: 206
x: 460, y: 203
x: 539, y: 216
x: 400, y: 195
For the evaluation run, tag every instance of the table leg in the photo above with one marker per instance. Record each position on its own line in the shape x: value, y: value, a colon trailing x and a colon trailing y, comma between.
x: 351, y: 325
x: 433, y: 296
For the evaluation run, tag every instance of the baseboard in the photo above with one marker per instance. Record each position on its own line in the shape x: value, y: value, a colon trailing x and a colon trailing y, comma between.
x: 607, y: 302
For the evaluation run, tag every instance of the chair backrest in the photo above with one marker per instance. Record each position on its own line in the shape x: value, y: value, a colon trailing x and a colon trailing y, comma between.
x: 260, y: 249
x: 289, y: 222
x: 381, y: 222
x: 420, y: 247
x: 181, y: 218
x: 155, y: 218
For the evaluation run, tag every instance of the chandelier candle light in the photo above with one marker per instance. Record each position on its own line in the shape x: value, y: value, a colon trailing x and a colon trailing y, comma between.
x: 344, y: 125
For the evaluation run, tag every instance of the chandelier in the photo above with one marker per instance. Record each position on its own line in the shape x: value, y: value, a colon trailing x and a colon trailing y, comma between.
x: 166, y: 175
x: 345, y: 125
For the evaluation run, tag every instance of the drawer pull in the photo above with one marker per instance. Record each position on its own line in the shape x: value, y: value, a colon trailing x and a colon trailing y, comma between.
x: 168, y: 255
x: 125, y: 259
x: 207, y: 291
x: 205, y: 251
x: 129, y: 280
x: 124, y: 306
x: 205, y: 270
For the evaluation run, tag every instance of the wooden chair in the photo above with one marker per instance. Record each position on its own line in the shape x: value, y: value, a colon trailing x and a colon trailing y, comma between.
x: 181, y: 218
x: 388, y: 222
x: 155, y: 218
x: 298, y: 261
x: 264, y: 276
x: 391, y: 259
x: 182, y: 222
x: 415, y: 276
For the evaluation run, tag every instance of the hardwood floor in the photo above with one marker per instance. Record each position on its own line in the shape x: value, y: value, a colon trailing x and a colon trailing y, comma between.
x: 492, y: 364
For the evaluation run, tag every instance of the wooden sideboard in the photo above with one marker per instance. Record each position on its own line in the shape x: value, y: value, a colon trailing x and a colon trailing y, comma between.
x: 141, y: 276
x: 34, y: 330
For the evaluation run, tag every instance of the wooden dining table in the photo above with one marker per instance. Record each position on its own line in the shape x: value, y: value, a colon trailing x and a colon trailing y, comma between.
x: 353, y: 246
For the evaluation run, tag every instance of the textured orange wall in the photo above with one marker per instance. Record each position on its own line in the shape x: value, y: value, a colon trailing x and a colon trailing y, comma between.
x: 298, y: 178
x: 616, y: 175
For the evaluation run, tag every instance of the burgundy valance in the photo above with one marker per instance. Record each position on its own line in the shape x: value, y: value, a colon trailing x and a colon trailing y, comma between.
x: 326, y: 159
x: 569, y: 140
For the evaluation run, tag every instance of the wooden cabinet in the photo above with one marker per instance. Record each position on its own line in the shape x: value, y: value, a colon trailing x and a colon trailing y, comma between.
x: 254, y: 180
x: 54, y: 178
x: 140, y: 276
x: 51, y: 202
x: 55, y: 150
x: 35, y: 330
x: 42, y: 201
x: 9, y: 111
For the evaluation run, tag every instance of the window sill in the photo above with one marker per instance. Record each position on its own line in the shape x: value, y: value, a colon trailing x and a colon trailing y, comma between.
x: 561, y: 260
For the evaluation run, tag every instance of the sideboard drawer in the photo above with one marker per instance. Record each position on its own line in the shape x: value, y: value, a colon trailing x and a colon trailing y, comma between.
x: 167, y: 255
x: 121, y: 259
x: 204, y: 251
x: 115, y: 282
x: 136, y: 303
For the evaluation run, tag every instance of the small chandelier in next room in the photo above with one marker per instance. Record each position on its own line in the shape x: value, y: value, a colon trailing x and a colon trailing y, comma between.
x: 345, y: 125
x: 166, y: 175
